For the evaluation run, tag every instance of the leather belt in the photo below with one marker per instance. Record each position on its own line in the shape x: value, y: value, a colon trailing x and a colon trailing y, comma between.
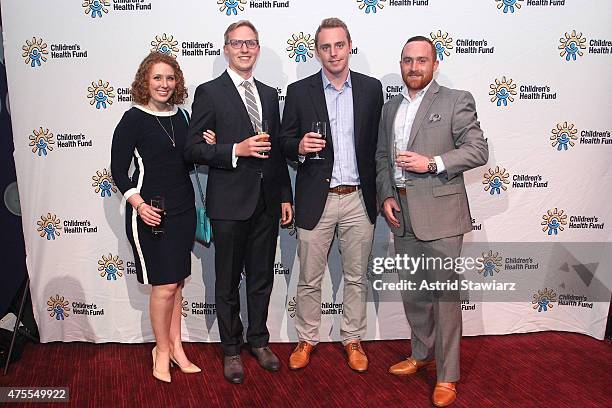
x: 401, y: 190
x: 343, y: 189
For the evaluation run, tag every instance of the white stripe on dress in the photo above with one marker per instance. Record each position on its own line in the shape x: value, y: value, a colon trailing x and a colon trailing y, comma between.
x: 145, y: 277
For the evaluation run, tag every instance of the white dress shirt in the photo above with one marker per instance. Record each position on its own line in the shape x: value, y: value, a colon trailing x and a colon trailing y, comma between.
x: 402, y: 127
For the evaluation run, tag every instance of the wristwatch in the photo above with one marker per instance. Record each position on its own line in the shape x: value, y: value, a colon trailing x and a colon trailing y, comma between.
x: 432, y: 167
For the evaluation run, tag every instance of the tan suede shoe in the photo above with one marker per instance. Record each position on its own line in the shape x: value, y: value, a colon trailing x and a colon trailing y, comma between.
x: 410, y: 366
x: 444, y: 394
x: 300, y: 356
x: 357, y: 358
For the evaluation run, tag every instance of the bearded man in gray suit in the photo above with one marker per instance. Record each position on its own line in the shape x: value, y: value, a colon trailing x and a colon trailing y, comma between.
x: 428, y: 136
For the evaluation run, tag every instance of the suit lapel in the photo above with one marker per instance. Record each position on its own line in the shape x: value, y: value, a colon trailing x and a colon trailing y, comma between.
x: 428, y: 99
x: 320, y: 105
x: 236, y: 100
x: 357, y: 105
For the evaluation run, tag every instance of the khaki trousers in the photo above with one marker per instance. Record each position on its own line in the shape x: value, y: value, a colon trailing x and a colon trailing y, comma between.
x: 347, y: 215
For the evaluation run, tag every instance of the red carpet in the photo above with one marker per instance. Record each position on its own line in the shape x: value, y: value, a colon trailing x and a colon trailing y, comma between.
x: 527, y: 370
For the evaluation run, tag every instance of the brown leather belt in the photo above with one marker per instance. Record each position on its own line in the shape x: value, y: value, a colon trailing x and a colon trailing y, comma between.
x: 401, y: 190
x: 343, y: 189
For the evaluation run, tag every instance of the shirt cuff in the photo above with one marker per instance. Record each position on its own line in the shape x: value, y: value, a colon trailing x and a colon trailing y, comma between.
x: 439, y: 164
x: 234, y: 158
x: 301, y: 158
x: 130, y: 193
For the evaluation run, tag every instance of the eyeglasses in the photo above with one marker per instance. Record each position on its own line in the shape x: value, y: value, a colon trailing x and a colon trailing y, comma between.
x: 238, y: 43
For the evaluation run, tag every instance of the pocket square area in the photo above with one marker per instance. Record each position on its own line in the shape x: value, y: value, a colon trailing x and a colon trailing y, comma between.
x: 435, y: 117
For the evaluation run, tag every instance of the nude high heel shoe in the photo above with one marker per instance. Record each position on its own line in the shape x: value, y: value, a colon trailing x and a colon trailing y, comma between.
x: 165, y: 377
x: 190, y: 369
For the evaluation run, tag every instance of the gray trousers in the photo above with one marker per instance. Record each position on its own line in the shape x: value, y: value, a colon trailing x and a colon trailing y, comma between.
x: 434, y: 316
x: 347, y: 214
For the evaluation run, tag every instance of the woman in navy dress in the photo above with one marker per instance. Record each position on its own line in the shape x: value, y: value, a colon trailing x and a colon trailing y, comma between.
x: 152, y: 135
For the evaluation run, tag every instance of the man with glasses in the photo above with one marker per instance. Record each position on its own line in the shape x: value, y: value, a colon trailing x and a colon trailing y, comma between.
x: 248, y: 191
x: 335, y: 186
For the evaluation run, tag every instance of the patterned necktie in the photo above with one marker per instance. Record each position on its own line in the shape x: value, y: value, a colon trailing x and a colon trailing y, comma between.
x: 251, y: 105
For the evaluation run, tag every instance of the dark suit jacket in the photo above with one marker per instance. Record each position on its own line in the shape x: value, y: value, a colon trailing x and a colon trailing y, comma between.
x: 232, y: 193
x: 305, y: 103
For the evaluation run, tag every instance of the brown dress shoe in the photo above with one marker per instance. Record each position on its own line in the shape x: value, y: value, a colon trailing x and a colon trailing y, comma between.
x: 357, y: 358
x: 444, y: 394
x: 301, y: 355
x: 410, y: 366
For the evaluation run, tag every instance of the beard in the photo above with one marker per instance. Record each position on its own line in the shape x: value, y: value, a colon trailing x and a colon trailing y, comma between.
x: 419, y: 81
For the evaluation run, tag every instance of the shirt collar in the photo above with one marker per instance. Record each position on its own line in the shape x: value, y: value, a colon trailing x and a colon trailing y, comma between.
x: 327, y: 83
x: 237, y: 79
x: 418, y: 95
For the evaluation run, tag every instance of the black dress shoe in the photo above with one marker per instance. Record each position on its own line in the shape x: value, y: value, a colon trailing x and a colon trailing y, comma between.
x: 266, y: 358
x: 232, y: 369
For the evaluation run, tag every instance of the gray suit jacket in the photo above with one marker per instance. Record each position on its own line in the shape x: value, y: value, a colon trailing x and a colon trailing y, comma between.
x: 445, y: 125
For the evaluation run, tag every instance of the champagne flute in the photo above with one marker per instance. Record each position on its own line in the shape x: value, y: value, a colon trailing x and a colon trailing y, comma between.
x: 263, y: 129
x: 160, y: 203
x: 396, y: 151
x: 321, y: 129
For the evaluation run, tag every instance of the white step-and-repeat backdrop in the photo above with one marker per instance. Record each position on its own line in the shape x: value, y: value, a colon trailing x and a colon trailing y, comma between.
x: 540, y: 72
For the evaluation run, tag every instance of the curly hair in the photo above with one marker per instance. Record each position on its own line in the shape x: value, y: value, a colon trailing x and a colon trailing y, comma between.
x: 140, y: 86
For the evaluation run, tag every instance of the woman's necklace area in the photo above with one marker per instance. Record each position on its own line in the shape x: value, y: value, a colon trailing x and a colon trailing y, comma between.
x: 172, y: 139
x: 165, y: 131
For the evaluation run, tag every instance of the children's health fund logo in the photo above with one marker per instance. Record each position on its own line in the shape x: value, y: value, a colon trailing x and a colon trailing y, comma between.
x: 300, y: 46
x: 36, y: 52
x: 96, y: 9
x: 544, y: 299
x: 555, y: 221
x: 50, y: 226
x: 498, y: 180
x: 42, y: 141
x: 565, y: 136
x: 372, y: 6
x: 103, y: 183
x: 573, y: 46
x: 167, y: 44
x: 110, y: 267
x: 100, y: 94
x: 231, y: 7
x: 59, y: 308
x: 503, y: 92
x: 512, y: 6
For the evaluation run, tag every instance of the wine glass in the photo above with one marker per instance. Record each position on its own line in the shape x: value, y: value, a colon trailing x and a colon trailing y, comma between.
x: 160, y: 203
x: 396, y: 151
x: 321, y: 129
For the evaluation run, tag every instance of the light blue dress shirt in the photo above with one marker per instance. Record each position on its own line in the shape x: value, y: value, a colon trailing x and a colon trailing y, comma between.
x: 341, y: 122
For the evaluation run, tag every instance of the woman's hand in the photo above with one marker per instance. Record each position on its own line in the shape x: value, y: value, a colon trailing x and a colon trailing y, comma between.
x: 149, y: 215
